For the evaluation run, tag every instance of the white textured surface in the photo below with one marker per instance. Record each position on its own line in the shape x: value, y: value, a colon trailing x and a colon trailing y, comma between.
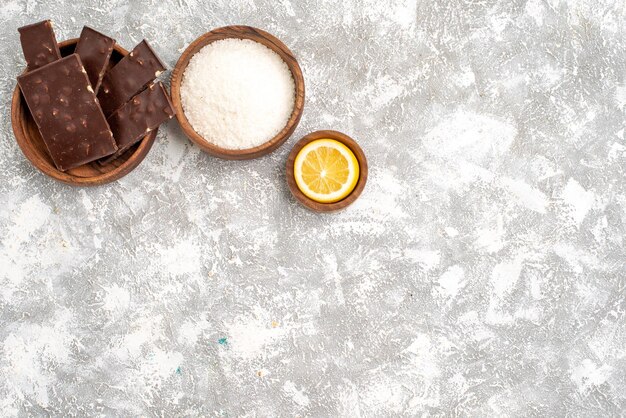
x: 481, y: 273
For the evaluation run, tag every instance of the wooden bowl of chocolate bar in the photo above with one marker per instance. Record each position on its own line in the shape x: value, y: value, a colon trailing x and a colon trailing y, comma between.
x: 62, y: 128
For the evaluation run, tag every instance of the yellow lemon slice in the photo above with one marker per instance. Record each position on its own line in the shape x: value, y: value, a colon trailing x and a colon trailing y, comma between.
x: 326, y: 170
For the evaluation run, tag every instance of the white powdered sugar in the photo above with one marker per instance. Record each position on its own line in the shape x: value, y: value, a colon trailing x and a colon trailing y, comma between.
x: 237, y: 93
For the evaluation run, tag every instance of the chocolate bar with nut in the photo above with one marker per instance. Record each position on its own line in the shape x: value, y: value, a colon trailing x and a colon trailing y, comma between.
x: 66, y: 111
x: 39, y: 44
x: 131, y: 75
x: 95, y: 51
x: 141, y: 115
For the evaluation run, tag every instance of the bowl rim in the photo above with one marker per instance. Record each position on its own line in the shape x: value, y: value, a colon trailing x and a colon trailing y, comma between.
x: 17, y: 103
x: 358, y: 188
x: 238, y: 32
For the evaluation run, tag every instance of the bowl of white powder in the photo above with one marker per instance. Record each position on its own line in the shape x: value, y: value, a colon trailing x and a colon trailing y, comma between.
x: 238, y: 92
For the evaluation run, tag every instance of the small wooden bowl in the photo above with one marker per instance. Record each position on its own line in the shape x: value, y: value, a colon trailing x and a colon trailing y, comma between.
x: 348, y: 200
x: 91, y: 174
x: 262, y: 37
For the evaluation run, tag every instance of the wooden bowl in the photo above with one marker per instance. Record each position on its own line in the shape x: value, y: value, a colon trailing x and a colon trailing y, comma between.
x: 348, y: 200
x: 91, y: 174
x: 262, y: 37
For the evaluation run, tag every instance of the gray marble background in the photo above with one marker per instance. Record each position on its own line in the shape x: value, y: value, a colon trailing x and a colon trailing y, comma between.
x: 482, y: 272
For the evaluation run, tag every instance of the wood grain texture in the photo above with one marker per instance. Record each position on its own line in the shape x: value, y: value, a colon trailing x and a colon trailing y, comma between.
x: 91, y: 174
x: 240, y: 32
x: 358, y: 189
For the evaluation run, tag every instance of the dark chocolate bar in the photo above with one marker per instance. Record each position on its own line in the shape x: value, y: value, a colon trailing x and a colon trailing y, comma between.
x: 66, y: 111
x: 95, y: 50
x: 39, y: 44
x: 131, y: 75
x: 143, y: 113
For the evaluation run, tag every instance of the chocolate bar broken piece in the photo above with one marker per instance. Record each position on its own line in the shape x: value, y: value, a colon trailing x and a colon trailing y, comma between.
x: 131, y: 75
x: 66, y: 111
x: 141, y: 115
x: 95, y: 51
x: 39, y: 44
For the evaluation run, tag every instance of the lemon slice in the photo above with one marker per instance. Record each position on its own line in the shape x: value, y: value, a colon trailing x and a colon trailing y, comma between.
x: 326, y: 170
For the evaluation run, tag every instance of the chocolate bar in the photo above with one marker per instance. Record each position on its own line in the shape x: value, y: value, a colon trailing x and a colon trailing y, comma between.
x: 94, y: 50
x: 131, y: 75
x: 143, y: 113
x: 66, y: 111
x: 137, y: 118
x: 39, y: 44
